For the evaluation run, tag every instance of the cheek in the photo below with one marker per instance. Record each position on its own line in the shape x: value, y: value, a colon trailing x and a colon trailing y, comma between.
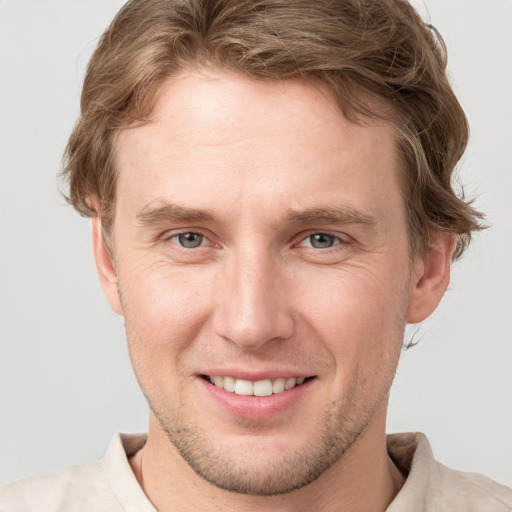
x: 359, y: 315
x: 164, y: 307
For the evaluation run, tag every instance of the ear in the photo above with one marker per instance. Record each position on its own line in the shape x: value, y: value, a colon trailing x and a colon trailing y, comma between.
x: 105, y: 267
x: 430, y: 279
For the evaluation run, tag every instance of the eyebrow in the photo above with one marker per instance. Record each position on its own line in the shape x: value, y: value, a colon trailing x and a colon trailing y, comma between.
x: 163, y: 212
x: 167, y: 212
x: 332, y: 215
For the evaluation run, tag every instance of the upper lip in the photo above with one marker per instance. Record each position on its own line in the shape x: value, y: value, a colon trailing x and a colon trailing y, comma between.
x: 256, y: 375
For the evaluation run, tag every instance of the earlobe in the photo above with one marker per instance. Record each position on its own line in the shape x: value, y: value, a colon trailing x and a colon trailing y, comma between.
x: 431, y: 278
x: 105, y: 267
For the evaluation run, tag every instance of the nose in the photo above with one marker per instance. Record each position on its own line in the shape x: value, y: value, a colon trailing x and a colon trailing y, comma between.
x: 253, y: 302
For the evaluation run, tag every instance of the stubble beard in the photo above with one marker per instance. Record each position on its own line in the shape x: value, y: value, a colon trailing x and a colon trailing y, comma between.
x: 342, y: 424
x: 335, y: 434
x: 344, y: 421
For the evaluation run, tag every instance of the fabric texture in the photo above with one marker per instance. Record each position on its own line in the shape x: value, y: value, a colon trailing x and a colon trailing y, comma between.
x: 110, y: 485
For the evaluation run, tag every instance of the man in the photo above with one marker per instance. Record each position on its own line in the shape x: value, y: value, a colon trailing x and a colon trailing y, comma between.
x: 269, y: 184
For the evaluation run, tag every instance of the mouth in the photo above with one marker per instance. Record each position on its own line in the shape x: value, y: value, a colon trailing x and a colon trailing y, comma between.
x: 265, y: 387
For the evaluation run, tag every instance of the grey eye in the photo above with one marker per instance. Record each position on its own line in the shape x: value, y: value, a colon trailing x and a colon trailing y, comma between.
x: 321, y: 241
x: 190, y: 240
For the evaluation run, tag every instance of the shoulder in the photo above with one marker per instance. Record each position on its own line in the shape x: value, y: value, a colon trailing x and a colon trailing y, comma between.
x: 431, y: 486
x: 104, y: 484
x: 476, y: 491
x: 76, y: 488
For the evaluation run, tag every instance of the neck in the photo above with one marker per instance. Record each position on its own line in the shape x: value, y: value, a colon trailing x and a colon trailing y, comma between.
x: 364, y: 479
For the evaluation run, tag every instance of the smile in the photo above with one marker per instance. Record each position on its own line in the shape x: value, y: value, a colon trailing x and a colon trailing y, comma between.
x: 264, y: 387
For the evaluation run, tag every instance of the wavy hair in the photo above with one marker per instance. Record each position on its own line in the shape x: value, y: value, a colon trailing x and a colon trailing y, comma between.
x: 359, y: 49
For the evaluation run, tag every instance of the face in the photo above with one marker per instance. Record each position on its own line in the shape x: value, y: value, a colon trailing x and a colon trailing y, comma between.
x: 262, y: 260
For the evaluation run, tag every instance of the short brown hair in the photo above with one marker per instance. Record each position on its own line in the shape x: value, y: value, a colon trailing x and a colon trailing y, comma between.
x: 358, y: 48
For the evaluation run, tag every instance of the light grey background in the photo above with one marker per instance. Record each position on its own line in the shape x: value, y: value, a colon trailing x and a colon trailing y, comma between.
x: 65, y: 379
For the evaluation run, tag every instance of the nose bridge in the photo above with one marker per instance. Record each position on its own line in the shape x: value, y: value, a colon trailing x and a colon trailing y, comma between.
x: 252, y: 309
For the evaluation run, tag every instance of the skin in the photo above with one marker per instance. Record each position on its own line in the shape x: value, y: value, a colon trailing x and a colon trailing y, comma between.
x: 272, y: 163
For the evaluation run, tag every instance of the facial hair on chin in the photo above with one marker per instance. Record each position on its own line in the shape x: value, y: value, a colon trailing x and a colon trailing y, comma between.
x: 337, y: 432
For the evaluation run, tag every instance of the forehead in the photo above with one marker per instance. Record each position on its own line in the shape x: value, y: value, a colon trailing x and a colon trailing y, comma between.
x: 251, y: 142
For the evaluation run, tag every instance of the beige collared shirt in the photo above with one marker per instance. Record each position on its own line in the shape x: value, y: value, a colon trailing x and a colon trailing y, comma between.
x: 110, y: 485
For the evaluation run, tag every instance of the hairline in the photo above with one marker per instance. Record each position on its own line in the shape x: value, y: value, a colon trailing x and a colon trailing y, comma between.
x: 384, y: 113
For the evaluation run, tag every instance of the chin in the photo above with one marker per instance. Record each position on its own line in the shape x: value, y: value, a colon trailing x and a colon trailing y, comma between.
x: 260, y: 464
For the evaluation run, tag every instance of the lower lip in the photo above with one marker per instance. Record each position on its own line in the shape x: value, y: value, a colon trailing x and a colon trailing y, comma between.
x: 255, y: 407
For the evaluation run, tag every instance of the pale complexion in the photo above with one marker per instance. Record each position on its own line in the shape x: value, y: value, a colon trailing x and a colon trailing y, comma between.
x: 261, y: 235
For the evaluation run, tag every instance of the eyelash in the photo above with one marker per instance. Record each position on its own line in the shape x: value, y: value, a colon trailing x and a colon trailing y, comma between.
x: 176, y: 237
x: 337, y: 240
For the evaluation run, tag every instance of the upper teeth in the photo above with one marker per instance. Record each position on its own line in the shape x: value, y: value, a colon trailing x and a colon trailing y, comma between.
x: 257, y: 388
